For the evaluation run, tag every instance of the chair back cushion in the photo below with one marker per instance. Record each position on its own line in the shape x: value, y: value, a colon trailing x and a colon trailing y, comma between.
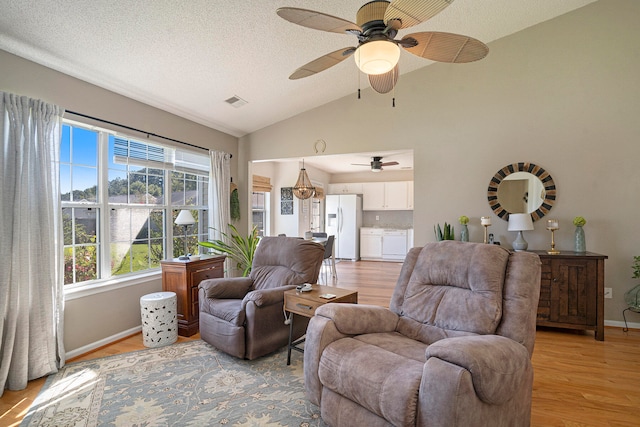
x: 454, y: 288
x: 280, y: 261
x: 450, y: 288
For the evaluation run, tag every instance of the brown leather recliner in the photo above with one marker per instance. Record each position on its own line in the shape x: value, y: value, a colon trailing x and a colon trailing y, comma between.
x: 453, y: 349
x: 243, y: 316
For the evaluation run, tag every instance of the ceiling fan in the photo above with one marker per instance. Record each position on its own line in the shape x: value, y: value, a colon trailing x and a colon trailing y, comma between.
x: 378, y: 52
x: 376, y: 164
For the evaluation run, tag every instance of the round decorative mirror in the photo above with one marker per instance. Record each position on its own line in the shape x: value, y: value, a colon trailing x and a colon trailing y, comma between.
x: 521, y: 188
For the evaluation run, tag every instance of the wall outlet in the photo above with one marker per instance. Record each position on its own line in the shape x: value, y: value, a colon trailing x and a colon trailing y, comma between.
x: 608, y: 293
x: 377, y: 217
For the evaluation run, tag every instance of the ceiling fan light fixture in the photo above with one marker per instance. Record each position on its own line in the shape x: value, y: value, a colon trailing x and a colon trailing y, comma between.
x: 377, y: 57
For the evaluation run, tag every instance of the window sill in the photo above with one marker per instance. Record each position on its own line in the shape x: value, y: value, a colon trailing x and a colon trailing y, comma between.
x: 98, y: 287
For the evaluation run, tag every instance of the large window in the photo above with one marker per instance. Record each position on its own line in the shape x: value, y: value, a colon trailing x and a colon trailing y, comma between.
x: 120, y: 197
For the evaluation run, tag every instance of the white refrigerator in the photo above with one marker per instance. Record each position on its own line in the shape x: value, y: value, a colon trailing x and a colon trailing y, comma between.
x: 344, y: 218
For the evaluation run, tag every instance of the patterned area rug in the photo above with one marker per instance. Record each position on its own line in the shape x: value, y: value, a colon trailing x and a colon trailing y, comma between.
x: 187, y: 384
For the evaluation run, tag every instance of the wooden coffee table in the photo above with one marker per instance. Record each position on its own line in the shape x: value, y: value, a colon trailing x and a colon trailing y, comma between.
x: 306, y: 303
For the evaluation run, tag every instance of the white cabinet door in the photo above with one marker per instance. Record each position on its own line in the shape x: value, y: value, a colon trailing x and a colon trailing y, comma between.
x: 370, y: 243
x: 380, y: 196
x: 373, y: 196
x: 396, y: 195
x: 345, y: 188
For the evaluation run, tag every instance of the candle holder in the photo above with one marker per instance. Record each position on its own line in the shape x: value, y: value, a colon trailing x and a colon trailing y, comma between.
x: 552, y: 225
x: 485, y: 221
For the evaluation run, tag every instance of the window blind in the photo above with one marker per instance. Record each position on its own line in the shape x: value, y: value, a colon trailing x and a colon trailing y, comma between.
x: 131, y: 152
x: 193, y: 163
x: 261, y: 183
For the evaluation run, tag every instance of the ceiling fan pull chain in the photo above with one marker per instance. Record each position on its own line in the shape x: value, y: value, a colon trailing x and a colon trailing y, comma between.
x: 393, y: 101
x: 358, y: 93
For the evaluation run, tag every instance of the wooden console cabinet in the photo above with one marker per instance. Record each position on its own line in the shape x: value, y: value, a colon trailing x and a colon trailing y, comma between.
x: 183, y: 278
x: 572, y: 291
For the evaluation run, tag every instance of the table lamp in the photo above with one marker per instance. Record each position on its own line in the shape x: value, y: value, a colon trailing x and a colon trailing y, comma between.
x: 185, y: 219
x: 520, y: 222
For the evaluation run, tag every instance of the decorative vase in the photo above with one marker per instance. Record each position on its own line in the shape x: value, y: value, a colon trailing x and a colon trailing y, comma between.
x: 580, y: 245
x: 464, y: 234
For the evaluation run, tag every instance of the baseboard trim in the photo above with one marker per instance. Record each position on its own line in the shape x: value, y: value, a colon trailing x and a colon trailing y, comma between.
x: 620, y: 324
x: 125, y: 334
x: 101, y: 343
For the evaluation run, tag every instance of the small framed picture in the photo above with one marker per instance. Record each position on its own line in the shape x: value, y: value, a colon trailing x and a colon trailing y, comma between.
x: 286, y: 207
x: 286, y: 193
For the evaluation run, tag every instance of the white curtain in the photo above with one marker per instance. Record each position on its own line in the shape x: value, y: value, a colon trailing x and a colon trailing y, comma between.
x: 219, y: 195
x: 31, y: 285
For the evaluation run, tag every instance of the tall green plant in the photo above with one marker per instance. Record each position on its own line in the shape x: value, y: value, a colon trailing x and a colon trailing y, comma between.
x: 445, y: 233
x: 240, y: 249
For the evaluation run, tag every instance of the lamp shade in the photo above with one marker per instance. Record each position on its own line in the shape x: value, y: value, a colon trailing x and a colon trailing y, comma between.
x: 520, y: 222
x: 185, y: 218
x: 377, y: 57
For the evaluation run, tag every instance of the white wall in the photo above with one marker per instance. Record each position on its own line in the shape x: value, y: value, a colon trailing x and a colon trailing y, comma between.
x: 562, y: 94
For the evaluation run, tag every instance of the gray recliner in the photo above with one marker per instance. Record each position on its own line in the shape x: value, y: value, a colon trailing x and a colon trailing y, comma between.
x: 453, y: 349
x: 243, y: 316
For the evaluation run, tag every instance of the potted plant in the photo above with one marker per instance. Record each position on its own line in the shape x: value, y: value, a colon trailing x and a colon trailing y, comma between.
x: 632, y: 297
x: 445, y: 233
x: 240, y: 249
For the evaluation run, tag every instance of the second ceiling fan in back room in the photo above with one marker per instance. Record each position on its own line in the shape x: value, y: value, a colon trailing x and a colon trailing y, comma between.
x: 376, y: 164
x: 378, y: 51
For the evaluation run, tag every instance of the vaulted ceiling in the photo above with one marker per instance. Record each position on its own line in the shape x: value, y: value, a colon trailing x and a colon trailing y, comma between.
x: 188, y: 57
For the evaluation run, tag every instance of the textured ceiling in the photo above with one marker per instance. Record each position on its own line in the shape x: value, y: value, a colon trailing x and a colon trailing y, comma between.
x: 187, y: 57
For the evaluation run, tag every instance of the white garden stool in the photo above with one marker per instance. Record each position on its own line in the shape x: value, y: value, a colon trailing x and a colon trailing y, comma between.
x: 159, y: 320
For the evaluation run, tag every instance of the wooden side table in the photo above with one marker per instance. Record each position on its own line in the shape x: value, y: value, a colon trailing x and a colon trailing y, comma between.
x: 572, y: 291
x: 183, y: 278
x: 306, y: 303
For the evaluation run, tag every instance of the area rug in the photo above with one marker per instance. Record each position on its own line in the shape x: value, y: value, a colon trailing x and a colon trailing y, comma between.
x: 187, y: 384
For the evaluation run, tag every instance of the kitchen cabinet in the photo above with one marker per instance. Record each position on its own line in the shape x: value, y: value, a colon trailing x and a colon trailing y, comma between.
x: 393, y: 195
x: 370, y: 243
x: 345, y: 188
x: 572, y: 291
x: 373, y: 196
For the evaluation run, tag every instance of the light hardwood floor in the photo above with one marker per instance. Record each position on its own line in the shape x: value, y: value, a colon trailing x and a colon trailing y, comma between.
x: 578, y: 381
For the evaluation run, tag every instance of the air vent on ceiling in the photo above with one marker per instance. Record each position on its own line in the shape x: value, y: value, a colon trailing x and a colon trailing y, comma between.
x: 235, y: 101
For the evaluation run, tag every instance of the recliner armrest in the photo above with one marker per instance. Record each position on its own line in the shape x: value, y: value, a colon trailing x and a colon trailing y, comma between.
x: 355, y: 319
x: 226, y: 288
x: 265, y: 297
x: 497, y: 364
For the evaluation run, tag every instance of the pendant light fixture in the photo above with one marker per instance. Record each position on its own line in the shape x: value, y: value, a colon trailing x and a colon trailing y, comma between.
x: 303, y: 188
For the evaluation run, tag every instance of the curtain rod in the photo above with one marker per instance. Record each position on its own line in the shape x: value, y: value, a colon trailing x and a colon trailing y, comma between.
x: 137, y: 130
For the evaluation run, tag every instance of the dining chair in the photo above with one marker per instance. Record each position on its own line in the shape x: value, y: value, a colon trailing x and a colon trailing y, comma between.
x: 329, y: 261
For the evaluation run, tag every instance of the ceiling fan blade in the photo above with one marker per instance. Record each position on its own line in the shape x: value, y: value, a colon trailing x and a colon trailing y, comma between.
x: 360, y: 164
x: 317, y: 20
x: 389, y: 164
x: 384, y: 83
x: 446, y: 47
x: 407, y: 13
x: 322, y: 63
